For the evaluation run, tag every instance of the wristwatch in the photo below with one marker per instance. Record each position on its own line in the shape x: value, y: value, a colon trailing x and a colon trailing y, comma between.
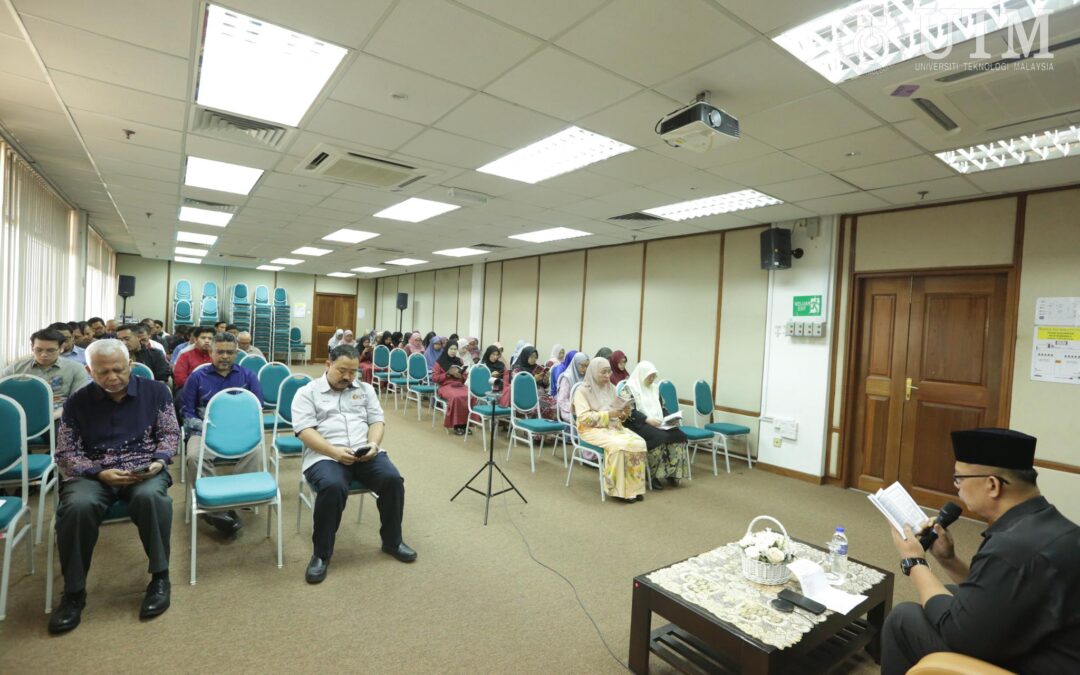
x: 907, y: 564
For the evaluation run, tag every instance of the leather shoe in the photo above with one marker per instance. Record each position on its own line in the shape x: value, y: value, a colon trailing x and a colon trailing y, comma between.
x: 156, y: 600
x: 316, y: 570
x: 68, y: 614
x: 228, y: 523
x: 402, y: 552
x: 656, y: 484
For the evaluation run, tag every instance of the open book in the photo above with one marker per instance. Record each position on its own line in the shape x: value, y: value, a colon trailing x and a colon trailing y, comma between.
x: 671, y: 421
x: 899, y: 508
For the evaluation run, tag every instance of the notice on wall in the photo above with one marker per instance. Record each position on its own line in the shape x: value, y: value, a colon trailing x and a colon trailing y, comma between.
x: 299, y: 310
x: 1055, y: 349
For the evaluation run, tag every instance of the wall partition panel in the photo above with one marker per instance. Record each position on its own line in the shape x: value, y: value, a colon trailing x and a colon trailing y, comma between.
x: 492, y: 295
x: 518, y: 319
x: 743, y: 310
x: 422, y: 301
x: 613, y: 298
x: 446, y: 301
x: 562, y: 278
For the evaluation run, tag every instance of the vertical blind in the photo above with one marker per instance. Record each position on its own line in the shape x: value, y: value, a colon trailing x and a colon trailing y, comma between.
x: 40, y: 268
x: 100, y: 276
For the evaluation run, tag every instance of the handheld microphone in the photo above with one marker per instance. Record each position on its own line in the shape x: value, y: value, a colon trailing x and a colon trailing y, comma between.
x: 945, y: 517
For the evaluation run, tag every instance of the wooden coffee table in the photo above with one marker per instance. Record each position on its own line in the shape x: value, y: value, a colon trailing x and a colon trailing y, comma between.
x: 697, y: 641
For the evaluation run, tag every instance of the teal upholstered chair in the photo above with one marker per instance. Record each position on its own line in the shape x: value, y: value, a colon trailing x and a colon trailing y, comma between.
x: 479, y: 399
x: 142, y: 370
x: 525, y: 421
x: 380, y: 370
x: 34, y: 396
x: 182, y: 314
x: 15, y: 521
x: 182, y: 291
x: 399, y: 375
x: 286, y: 445
x: 669, y: 398
x: 253, y: 362
x: 584, y: 452
x: 417, y: 383
x: 270, y: 378
x: 723, y: 432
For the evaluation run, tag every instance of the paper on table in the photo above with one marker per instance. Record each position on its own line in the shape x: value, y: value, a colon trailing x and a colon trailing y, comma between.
x: 814, y: 586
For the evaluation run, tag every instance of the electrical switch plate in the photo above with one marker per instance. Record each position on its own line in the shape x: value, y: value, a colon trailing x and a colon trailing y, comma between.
x: 817, y: 328
x: 798, y: 329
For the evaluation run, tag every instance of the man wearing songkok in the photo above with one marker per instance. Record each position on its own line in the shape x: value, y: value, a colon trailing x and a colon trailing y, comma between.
x: 1017, y: 605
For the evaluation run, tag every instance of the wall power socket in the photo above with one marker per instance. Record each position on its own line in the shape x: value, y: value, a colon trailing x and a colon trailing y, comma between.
x: 777, y: 442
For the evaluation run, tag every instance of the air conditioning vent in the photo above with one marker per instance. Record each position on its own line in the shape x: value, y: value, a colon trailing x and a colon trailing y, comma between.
x: 210, y: 206
x: 490, y: 247
x: 637, y: 215
x: 327, y: 161
x: 935, y: 113
x: 238, y: 129
x: 996, y: 65
x: 1041, y: 118
x: 235, y: 256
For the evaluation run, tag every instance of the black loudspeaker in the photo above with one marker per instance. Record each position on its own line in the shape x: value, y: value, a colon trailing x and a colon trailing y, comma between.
x: 126, y: 287
x: 776, y: 251
x: 402, y: 300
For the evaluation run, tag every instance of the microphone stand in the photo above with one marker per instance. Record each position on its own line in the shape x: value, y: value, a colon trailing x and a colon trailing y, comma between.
x: 491, y: 466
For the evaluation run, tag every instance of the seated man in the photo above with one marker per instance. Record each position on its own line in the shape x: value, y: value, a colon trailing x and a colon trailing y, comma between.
x: 200, y: 388
x: 220, y: 327
x: 157, y: 332
x: 195, y: 356
x: 334, y: 415
x: 68, y: 350
x: 97, y: 328
x: 116, y: 436
x: 243, y: 342
x: 130, y: 335
x: 1018, y: 604
x: 148, y: 340
x: 64, y: 376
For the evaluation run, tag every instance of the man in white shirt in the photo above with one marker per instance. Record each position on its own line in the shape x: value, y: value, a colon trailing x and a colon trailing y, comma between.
x: 243, y: 343
x: 335, y: 416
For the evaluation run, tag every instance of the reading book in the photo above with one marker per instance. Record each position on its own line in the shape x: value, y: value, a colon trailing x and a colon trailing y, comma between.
x: 671, y: 421
x: 899, y: 508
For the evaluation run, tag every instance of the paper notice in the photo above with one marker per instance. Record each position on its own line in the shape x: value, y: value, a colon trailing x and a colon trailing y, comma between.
x: 814, y: 586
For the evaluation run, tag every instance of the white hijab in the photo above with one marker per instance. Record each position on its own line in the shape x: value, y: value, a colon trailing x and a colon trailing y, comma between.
x: 646, y: 397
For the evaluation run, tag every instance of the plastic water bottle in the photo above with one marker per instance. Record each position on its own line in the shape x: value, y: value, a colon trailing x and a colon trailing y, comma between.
x: 838, y: 546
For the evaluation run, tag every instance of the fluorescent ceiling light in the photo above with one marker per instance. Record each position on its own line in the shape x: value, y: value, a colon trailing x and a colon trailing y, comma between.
x: 286, y: 261
x: 222, y: 176
x: 405, y: 262
x: 415, y: 210
x: 193, y: 261
x: 347, y: 236
x: 1040, y: 147
x: 270, y: 268
x: 710, y: 206
x: 872, y: 34
x: 191, y: 214
x: 340, y: 275
x: 368, y: 270
x: 553, y: 234
x: 460, y: 252
x: 311, y: 250
x: 184, y: 250
x: 566, y: 151
x: 196, y: 238
x: 251, y: 67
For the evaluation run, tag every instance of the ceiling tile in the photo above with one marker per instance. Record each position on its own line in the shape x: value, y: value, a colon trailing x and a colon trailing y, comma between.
x: 898, y: 172
x: 873, y: 147
x: 449, y: 42
x: 814, y: 118
x: 27, y: 92
x: 945, y: 188
x: 770, y: 15
x: 354, y: 124
x: 308, y: 184
x: 694, y: 185
x: 543, y: 83
x: 372, y: 83
x: 632, y: 121
x: 16, y: 58
x: 586, y: 183
x: 120, y: 102
x: 542, y: 196
x: 774, y: 214
x: 808, y: 188
x: 485, y: 183
x: 640, y: 167
x: 496, y: 121
x: 765, y: 169
x: 452, y: 149
x: 650, y: 42
x: 96, y: 125
x: 1039, y: 174
x: 634, y: 199
x: 113, y: 170
x: 543, y: 18
x: 124, y: 151
x: 162, y: 25
x: 346, y: 23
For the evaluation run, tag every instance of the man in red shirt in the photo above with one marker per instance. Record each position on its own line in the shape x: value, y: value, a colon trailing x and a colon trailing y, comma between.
x: 202, y: 337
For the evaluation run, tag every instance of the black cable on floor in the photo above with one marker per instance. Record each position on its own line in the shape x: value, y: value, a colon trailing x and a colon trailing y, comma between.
x: 559, y: 574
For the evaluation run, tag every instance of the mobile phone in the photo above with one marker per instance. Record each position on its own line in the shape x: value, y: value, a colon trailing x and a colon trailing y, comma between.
x: 362, y: 450
x: 141, y: 470
x: 800, y: 600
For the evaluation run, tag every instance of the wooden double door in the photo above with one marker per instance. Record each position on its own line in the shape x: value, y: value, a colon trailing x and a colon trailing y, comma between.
x: 930, y: 359
x: 331, y: 313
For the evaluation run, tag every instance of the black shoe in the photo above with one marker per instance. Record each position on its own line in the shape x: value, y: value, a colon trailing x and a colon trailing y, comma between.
x: 228, y: 523
x: 459, y: 431
x: 656, y: 484
x: 156, y: 600
x: 316, y: 570
x: 673, y: 482
x: 402, y: 552
x: 68, y: 614
x: 639, y: 498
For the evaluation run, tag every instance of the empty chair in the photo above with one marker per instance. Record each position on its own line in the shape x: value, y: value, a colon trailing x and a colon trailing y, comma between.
x: 182, y: 314
x: 380, y: 366
x: 280, y: 297
x: 262, y: 296
x: 14, y: 462
x: 722, y: 431
x: 418, y: 383
x: 253, y: 362
x: 182, y: 290
x: 525, y: 421
x: 270, y: 378
x: 480, y: 411
x: 34, y: 396
x: 399, y: 366
x: 209, y: 290
x: 209, y: 312
x: 286, y: 445
x: 240, y: 295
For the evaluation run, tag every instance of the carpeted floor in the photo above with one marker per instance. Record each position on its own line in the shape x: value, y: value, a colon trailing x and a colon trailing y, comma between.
x: 474, y: 601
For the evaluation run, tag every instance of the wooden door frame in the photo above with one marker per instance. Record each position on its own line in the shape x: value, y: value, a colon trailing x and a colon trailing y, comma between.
x: 314, y: 306
x: 850, y: 385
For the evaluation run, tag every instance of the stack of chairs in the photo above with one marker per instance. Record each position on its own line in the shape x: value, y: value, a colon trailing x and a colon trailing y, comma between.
x: 209, y: 312
x: 296, y: 344
x: 241, y: 307
x: 281, y: 325
x: 182, y: 313
x: 260, y: 329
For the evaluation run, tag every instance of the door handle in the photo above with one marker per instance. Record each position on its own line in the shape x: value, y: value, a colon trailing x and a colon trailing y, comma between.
x: 907, y: 389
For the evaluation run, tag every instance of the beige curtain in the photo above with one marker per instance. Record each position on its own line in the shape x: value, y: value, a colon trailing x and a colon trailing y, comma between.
x: 100, y: 276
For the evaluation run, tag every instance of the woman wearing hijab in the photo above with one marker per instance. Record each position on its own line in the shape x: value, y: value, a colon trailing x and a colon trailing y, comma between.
x: 574, y: 373
x: 387, y: 338
x: 600, y: 414
x: 366, y: 364
x: 666, y: 447
x: 604, y: 353
x: 473, y: 349
x: 449, y: 375
x: 558, y: 353
x: 434, y: 349
x: 527, y: 363
x: 558, y: 369
x: 453, y: 338
x: 336, y: 338
x: 348, y: 339
x: 521, y: 344
x: 427, y: 339
x: 467, y: 359
x: 395, y: 339
x: 618, y: 367
x: 415, y: 345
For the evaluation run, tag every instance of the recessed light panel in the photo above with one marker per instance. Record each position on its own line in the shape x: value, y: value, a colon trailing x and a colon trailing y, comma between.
x: 566, y: 151
x: 1040, y: 147
x: 460, y: 252
x: 270, y: 268
x: 222, y: 176
x: 311, y: 250
x: 196, y: 238
x: 711, y: 206
x: 368, y: 270
x: 347, y: 236
x: 192, y: 214
x: 415, y: 210
x: 183, y: 259
x: 552, y: 234
x: 405, y: 262
x: 340, y: 275
x: 184, y: 250
x: 286, y: 261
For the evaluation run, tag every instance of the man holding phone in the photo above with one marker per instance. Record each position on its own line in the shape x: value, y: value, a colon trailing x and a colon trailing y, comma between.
x: 340, y: 421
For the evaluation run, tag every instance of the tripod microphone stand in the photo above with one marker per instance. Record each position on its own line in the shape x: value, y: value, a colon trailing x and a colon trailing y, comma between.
x: 491, y: 466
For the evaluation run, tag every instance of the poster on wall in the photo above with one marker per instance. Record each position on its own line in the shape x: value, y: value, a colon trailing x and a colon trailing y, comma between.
x: 1055, y: 349
x: 299, y: 310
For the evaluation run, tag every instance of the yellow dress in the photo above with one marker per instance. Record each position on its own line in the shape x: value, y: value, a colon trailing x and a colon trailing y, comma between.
x: 624, y: 451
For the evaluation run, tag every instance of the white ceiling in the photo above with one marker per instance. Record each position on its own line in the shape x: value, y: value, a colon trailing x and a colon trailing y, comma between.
x: 449, y: 85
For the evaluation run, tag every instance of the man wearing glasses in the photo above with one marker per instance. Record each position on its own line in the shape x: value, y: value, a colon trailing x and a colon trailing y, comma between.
x: 65, y: 376
x: 1017, y: 604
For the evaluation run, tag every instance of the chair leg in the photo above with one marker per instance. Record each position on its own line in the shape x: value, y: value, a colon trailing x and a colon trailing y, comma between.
x: 749, y: 459
x: 714, y: 471
x: 6, y: 575
x: 49, y: 567
x: 280, y: 537
x: 532, y: 455
x: 360, y: 511
x: 689, y: 464
x: 194, y: 524
x: 43, y: 489
x: 570, y: 471
x: 727, y: 456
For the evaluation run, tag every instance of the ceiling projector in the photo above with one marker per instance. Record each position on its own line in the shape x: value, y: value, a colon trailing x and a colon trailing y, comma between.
x: 698, y: 127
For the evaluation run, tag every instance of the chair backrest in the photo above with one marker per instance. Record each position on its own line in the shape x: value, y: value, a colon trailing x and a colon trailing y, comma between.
x: 703, y: 400
x: 254, y: 363
x: 240, y: 356
x: 478, y: 380
x: 399, y: 363
x: 294, y: 334
x: 183, y: 310
x: 287, y: 392
x: 234, y: 424
x: 523, y: 394
x: 13, y: 436
x: 280, y: 296
x: 262, y: 295
x: 240, y: 293
x: 202, y: 365
x: 669, y: 398
x: 183, y: 290
x: 209, y: 306
x: 270, y: 378
x: 381, y: 357
x: 620, y: 388
x: 34, y: 395
x: 142, y: 370
x: 417, y: 367
x: 209, y: 289
x: 573, y: 415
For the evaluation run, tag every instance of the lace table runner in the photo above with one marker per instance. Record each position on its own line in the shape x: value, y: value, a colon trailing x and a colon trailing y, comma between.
x: 714, y: 581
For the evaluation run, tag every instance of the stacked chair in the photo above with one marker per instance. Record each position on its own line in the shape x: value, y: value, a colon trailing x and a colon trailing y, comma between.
x: 260, y: 330
x: 296, y: 344
x: 182, y: 314
x: 280, y: 317
x: 240, y: 307
x: 209, y: 312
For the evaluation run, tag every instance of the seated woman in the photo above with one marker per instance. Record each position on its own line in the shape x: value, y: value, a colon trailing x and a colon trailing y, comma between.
x: 473, y: 349
x: 600, y: 414
x: 395, y: 339
x: 521, y: 344
x: 527, y: 363
x: 575, y: 373
x: 366, y: 364
x: 387, y: 338
x: 434, y: 350
x: 467, y: 359
x: 415, y: 345
x: 427, y: 339
x: 604, y: 353
x: 449, y: 374
x: 666, y: 447
x: 341, y: 337
x: 618, y: 367
x: 557, y: 370
x: 558, y: 353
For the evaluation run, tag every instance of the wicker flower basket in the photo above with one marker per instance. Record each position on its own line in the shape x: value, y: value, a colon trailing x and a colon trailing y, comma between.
x: 770, y: 574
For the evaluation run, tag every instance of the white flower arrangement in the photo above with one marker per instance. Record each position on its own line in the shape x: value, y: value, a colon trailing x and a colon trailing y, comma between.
x: 766, y: 546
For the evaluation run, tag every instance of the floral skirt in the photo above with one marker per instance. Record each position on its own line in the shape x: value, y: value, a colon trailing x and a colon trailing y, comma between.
x: 624, y: 460
x: 668, y: 461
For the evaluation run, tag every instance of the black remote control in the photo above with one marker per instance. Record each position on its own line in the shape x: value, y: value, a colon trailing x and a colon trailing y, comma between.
x: 800, y: 600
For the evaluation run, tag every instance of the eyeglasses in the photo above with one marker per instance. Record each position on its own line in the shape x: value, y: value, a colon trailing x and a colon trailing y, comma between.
x: 956, y: 478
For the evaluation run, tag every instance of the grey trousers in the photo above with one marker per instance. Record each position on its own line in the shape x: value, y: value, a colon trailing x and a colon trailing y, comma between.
x: 249, y: 463
x: 83, y: 502
x: 906, y: 637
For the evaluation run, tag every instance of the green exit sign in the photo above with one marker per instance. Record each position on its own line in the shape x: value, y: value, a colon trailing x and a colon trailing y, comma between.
x: 806, y: 305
